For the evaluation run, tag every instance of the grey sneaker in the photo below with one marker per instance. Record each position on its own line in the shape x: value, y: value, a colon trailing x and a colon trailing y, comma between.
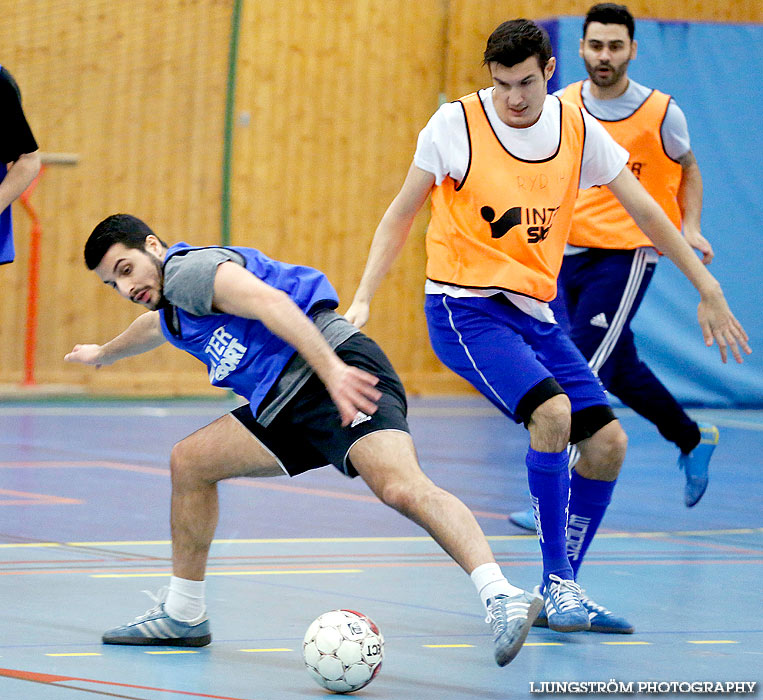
x: 511, y: 618
x: 157, y: 628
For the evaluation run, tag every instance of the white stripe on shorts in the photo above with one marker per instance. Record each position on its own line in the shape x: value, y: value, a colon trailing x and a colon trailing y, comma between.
x: 469, y: 355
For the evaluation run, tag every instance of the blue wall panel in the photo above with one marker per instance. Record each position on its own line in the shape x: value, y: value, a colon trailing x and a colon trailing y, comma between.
x: 714, y: 73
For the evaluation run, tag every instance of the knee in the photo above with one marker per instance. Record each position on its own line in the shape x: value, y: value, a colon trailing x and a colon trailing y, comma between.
x: 398, y: 495
x: 181, y: 463
x: 605, y: 452
x: 549, y: 424
x: 408, y: 497
x: 616, y: 443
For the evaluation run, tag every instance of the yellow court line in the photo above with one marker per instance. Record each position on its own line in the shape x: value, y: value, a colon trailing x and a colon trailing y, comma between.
x: 632, y: 644
x: 126, y: 543
x: 339, y: 540
x: 81, y: 653
x: 447, y: 646
x: 713, y: 641
x: 258, y: 651
x: 543, y: 644
x: 738, y: 531
x: 238, y: 573
x: 178, y: 651
x: 261, y: 540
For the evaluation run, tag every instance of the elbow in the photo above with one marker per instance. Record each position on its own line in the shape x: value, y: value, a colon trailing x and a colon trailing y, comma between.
x: 35, y: 162
x: 32, y: 164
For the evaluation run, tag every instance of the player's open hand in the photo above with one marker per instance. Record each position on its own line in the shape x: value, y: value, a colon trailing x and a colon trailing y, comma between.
x: 719, y: 325
x: 352, y: 390
x: 87, y: 355
x: 358, y: 314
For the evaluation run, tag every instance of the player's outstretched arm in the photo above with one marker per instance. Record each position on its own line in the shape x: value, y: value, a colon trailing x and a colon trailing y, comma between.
x: 388, y: 240
x: 715, y: 318
x: 142, y: 335
x: 238, y: 292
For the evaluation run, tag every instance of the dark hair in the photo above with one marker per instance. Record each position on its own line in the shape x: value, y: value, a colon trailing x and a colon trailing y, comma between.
x: 515, y: 41
x: 126, y: 229
x: 609, y: 13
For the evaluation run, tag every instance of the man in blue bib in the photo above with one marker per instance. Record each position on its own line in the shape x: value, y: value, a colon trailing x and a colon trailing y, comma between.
x: 320, y: 393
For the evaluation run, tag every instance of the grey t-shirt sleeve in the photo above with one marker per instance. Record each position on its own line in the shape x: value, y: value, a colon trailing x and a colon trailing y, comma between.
x: 189, y: 279
x: 675, y: 132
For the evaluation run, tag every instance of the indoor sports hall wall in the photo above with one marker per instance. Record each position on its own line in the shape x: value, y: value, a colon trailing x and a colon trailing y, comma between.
x: 708, y: 69
x: 329, y: 97
x: 137, y: 89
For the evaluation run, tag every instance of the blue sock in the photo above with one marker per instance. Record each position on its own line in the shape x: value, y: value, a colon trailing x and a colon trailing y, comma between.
x: 549, y: 479
x: 589, y: 499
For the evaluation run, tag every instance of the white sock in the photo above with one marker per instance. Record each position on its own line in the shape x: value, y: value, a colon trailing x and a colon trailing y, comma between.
x: 489, y: 581
x: 185, y: 600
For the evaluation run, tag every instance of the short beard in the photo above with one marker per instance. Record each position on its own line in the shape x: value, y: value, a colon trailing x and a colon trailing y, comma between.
x: 615, y: 75
x: 161, y: 302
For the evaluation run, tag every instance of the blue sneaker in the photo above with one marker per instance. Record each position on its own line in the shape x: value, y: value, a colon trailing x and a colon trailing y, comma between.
x: 511, y: 618
x: 603, y: 620
x: 157, y: 628
x: 564, y: 611
x: 524, y: 519
x: 695, y: 464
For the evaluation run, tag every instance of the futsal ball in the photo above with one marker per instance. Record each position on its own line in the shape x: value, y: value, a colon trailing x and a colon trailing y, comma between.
x: 343, y: 650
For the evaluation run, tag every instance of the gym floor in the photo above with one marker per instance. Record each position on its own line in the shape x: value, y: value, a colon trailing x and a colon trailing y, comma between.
x: 84, y: 501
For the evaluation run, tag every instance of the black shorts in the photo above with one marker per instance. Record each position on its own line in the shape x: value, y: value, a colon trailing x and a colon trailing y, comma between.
x: 307, y: 432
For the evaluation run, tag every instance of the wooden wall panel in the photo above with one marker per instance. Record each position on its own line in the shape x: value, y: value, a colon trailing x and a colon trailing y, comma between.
x: 137, y: 88
x: 330, y: 98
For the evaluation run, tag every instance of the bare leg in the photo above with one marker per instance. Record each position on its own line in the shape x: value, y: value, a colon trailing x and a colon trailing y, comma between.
x: 386, y: 460
x: 549, y: 425
x: 221, y: 450
x: 602, y: 455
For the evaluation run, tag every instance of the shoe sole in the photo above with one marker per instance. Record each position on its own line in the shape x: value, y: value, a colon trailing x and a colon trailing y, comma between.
x: 153, y: 642
x: 532, y: 613
x: 611, y: 630
x: 570, y: 628
x: 543, y: 622
x: 593, y: 628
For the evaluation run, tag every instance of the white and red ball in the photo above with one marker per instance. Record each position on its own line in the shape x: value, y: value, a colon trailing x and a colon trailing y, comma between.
x: 343, y: 650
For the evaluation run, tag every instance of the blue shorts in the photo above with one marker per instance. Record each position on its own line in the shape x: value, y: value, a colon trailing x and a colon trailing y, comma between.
x: 504, y: 353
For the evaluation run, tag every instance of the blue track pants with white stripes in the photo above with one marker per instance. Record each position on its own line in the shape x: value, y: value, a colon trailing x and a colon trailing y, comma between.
x: 599, y: 294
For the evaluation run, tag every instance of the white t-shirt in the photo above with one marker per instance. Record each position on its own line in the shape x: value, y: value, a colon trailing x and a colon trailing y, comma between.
x: 443, y: 150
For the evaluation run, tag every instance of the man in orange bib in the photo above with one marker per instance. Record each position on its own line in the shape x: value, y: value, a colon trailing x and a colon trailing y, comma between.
x: 610, y: 262
x: 503, y: 167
